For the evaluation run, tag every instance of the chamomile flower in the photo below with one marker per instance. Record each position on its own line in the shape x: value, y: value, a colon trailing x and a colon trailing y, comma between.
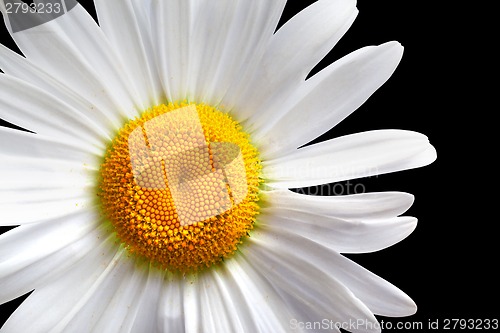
x: 152, y: 194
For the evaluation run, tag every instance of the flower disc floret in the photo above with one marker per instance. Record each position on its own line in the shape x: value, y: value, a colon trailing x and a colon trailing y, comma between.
x: 180, y: 186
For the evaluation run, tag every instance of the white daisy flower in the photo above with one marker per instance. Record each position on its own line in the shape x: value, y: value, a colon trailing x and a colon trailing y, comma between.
x: 153, y: 194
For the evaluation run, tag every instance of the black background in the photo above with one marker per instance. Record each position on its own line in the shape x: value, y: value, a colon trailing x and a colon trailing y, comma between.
x: 448, y: 264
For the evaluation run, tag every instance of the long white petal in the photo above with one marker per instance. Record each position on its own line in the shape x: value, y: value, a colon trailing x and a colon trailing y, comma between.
x: 259, y: 28
x: 327, y: 98
x: 319, y: 294
x: 94, y: 269
x: 25, y: 174
x: 314, y: 31
x: 380, y: 296
x: 34, y: 255
x: 86, y: 110
x: 344, y: 236
x: 122, y: 23
x: 366, y: 206
x: 352, y: 156
x: 234, y: 303
x: 215, y: 43
x: 144, y: 317
x: 266, y: 307
x: 24, y: 200
x: 28, y: 106
x: 14, y: 143
x: 41, y: 178
x: 132, y: 307
x: 73, y: 49
x: 121, y: 304
x: 192, y: 307
x: 170, y: 34
x: 216, y: 317
x: 27, y: 213
x: 171, y: 307
x: 295, y: 49
x: 240, y: 31
x: 88, y: 310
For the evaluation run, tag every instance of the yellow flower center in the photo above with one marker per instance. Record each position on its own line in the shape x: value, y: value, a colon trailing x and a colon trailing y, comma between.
x: 180, y: 185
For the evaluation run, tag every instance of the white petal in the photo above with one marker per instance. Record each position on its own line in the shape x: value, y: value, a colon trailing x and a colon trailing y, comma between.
x: 170, y: 309
x: 33, y: 255
x: 293, y: 52
x: 32, y: 108
x: 239, y: 32
x: 351, y: 156
x: 120, y: 314
x: 259, y: 297
x: 39, y: 180
x: 88, y: 310
x: 25, y: 174
x: 130, y: 38
x: 344, y: 236
x: 320, y: 294
x: 120, y: 305
x: 38, y: 212
x: 144, y: 317
x: 233, y: 303
x: 215, y: 43
x: 223, y: 306
x: 366, y: 206
x: 17, y: 66
x: 93, y: 270
x: 210, y: 41
x: 192, y: 307
x: 314, y: 31
x: 22, y: 202
x: 143, y: 11
x: 216, y: 317
x: 380, y: 296
x: 327, y: 98
x: 73, y: 49
x: 260, y: 25
x: 14, y: 143
x: 170, y: 34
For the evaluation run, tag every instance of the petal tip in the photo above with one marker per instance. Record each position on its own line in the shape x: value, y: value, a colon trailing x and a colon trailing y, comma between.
x: 429, y: 155
x: 408, y: 309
